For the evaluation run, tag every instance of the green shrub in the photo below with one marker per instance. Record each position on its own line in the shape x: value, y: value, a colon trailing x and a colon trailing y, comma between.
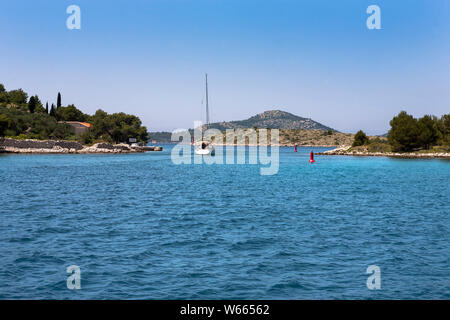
x: 86, y: 138
x: 378, y: 147
x: 361, y: 139
x: 62, y: 131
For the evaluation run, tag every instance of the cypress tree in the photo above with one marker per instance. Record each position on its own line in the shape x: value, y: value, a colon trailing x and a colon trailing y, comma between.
x: 53, y: 111
x: 32, y: 104
x: 58, y: 103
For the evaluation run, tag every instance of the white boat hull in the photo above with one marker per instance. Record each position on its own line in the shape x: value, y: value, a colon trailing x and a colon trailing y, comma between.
x: 205, y: 152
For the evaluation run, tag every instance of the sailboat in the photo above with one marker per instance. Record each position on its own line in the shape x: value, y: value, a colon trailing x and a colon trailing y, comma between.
x: 205, y: 147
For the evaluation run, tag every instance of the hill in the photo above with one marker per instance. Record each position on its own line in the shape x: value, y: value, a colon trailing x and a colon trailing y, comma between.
x: 273, y: 119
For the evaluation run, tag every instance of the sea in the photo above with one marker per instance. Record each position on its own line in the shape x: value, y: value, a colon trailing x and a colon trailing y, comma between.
x: 138, y: 226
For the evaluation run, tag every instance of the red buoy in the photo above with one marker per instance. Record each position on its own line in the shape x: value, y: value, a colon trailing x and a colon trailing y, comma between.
x: 295, y: 148
x: 311, y: 158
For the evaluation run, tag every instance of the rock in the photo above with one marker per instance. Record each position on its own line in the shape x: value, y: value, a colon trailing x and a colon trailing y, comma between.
x: 344, y: 151
x: 60, y: 146
x: 39, y: 144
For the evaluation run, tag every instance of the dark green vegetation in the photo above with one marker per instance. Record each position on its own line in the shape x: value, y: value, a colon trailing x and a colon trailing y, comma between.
x: 25, y: 118
x: 410, y: 134
x: 360, y: 139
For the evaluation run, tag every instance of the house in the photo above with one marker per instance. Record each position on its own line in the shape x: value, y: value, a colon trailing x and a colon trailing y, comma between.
x: 78, y: 127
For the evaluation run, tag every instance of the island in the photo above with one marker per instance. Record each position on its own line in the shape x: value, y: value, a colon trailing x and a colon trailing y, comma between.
x: 26, y: 126
x: 409, y: 137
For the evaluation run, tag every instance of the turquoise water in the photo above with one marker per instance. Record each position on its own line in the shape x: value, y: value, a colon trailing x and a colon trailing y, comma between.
x: 141, y: 227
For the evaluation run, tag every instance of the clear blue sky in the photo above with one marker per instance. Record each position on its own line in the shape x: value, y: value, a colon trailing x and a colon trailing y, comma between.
x: 313, y: 58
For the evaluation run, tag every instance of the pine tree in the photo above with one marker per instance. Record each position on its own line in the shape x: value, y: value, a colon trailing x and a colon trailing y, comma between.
x: 46, y: 108
x: 58, y: 103
x: 404, y: 132
x: 428, y: 132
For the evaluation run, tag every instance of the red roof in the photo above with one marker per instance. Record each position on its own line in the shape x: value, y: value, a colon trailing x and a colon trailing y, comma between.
x: 86, y: 124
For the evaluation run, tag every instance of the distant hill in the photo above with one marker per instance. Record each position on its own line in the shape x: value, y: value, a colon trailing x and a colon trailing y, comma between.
x: 161, y: 136
x: 273, y: 119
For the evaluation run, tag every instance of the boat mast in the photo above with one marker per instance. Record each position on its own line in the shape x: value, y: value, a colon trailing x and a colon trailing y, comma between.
x: 207, y: 106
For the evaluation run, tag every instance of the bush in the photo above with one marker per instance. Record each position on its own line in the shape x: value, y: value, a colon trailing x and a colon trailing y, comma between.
x: 360, y: 139
x: 86, y: 138
x: 62, y: 131
x: 22, y: 137
x: 378, y: 147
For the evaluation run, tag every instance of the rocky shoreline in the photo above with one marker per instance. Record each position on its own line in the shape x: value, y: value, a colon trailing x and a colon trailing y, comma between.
x: 66, y: 147
x: 344, y: 151
x: 289, y: 145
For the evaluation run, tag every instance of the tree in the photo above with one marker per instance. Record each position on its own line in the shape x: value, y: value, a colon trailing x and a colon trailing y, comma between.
x: 404, y: 132
x: 58, y: 102
x: 4, y: 97
x: 100, y: 123
x: 32, y: 105
x: 40, y: 126
x: 4, y: 124
x: 62, y: 131
x: 428, y: 132
x: 360, y: 139
x: 3, y: 94
x: 446, y: 123
x: 118, y: 127
x: 53, y: 111
x: 46, y: 107
x: 18, y: 97
x: 39, y: 107
x: 70, y: 113
x: 443, y: 127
